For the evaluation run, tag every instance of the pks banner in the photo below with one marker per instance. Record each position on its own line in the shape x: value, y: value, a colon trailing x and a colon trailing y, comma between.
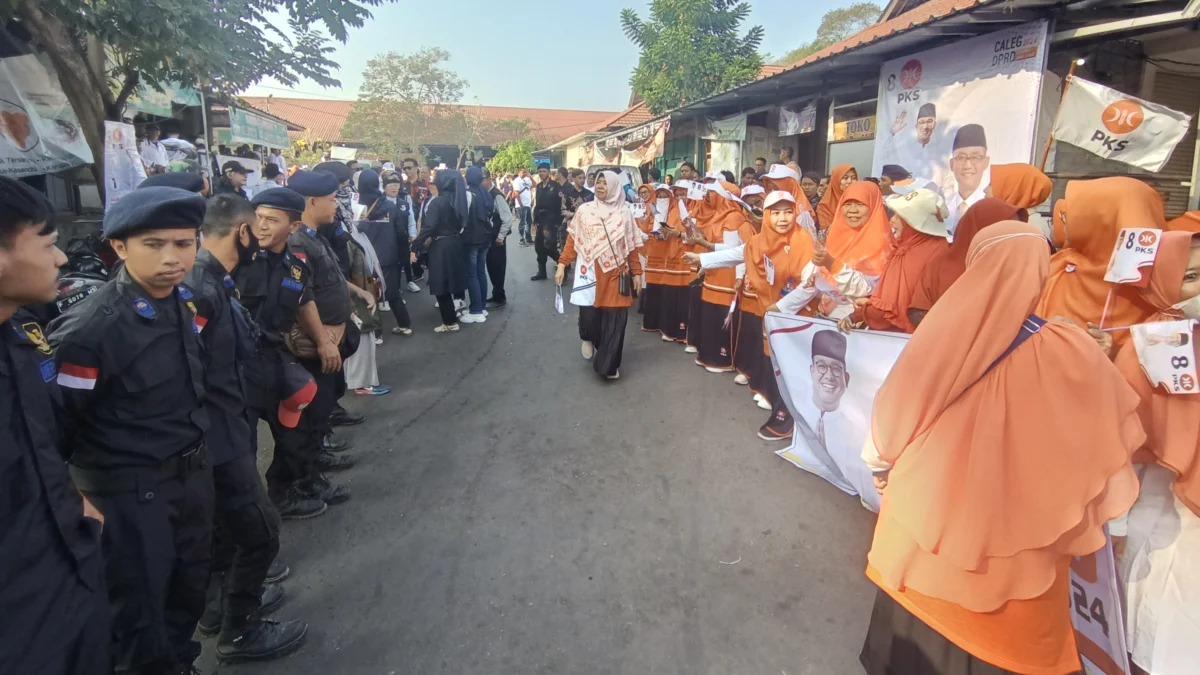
x: 1117, y: 126
x: 828, y: 380
x: 39, y: 132
x: 123, y: 168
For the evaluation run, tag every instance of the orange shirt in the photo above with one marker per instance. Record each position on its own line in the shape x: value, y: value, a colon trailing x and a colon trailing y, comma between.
x: 608, y: 288
x: 1033, y: 637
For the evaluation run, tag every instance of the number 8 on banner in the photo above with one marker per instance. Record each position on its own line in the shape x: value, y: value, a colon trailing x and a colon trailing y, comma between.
x: 1167, y: 355
x: 1136, y: 248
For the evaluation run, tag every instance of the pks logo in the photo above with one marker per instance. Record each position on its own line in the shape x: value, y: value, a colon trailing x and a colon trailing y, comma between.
x: 1123, y: 117
x: 1186, y: 382
x: 910, y: 74
x: 1147, y: 238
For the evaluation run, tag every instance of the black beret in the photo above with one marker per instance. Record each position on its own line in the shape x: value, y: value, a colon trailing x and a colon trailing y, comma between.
x: 927, y: 110
x: 829, y: 343
x: 393, y: 178
x: 339, y: 171
x: 184, y: 180
x: 154, y: 208
x: 970, y: 136
x: 895, y: 172
x: 280, y: 198
x: 313, y: 183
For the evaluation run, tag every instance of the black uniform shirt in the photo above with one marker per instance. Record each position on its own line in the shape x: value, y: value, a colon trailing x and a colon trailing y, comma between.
x: 548, y: 211
x: 273, y: 288
x: 47, y: 547
x: 130, y: 375
x: 328, y: 283
x: 228, y: 435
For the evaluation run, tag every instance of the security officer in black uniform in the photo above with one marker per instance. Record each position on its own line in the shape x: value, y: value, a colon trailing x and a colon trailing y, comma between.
x: 547, y: 216
x: 332, y: 296
x: 246, y: 534
x: 277, y: 290
x: 55, y: 618
x: 131, y: 375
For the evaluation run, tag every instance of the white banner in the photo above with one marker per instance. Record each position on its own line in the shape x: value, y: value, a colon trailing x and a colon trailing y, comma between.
x: 1096, y: 613
x: 831, y: 399
x: 1108, y: 123
x: 793, y: 122
x: 729, y: 129
x: 985, y: 89
x: 39, y: 132
x: 255, y: 166
x: 123, y: 169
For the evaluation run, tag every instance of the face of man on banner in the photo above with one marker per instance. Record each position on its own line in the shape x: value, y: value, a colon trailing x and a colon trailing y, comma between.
x: 828, y: 369
x: 926, y: 123
x: 970, y: 158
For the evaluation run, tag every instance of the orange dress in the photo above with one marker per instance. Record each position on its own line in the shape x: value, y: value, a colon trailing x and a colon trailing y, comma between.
x: 608, y: 284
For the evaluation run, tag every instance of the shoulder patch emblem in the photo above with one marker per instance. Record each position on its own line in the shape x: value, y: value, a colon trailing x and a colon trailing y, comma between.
x: 143, y: 308
x: 34, y: 332
x: 296, y: 272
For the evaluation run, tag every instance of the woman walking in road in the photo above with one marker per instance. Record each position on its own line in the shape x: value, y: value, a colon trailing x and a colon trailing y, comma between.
x: 605, y: 240
x: 439, y: 238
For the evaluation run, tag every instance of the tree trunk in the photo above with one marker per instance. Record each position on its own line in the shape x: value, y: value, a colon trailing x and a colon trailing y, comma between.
x: 87, y: 92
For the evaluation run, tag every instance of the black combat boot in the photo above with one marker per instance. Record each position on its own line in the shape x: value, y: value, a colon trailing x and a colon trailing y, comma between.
x: 210, y: 623
x: 252, y: 638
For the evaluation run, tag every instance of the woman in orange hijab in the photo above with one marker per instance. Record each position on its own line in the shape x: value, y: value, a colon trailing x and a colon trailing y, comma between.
x: 841, y: 178
x: 946, y: 267
x: 919, y: 225
x: 1022, y: 185
x: 671, y: 317
x: 718, y: 286
x: 1086, y: 224
x: 651, y: 297
x: 1161, y: 562
x: 996, y: 467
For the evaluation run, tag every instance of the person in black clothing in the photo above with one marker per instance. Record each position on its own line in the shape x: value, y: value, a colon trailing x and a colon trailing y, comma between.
x: 131, y: 375
x: 497, y: 257
x: 386, y: 223
x: 274, y: 287
x: 246, y: 533
x: 547, y: 216
x: 574, y: 195
x: 654, y: 174
x: 332, y: 297
x: 233, y: 179
x: 477, y: 238
x: 439, y: 239
x: 56, y: 617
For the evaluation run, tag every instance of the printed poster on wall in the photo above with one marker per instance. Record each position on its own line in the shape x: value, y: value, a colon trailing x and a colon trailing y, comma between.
x: 123, y: 168
x: 39, y: 132
x: 947, y: 114
x: 828, y: 380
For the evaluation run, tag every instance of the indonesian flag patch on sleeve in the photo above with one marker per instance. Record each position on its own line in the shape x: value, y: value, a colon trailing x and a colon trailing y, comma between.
x: 72, y: 376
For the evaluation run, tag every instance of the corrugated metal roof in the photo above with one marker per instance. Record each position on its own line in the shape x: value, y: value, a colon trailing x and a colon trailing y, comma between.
x: 324, y: 118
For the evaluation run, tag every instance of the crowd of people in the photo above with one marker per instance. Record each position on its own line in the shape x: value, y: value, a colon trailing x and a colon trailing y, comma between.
x: 1017, y: 424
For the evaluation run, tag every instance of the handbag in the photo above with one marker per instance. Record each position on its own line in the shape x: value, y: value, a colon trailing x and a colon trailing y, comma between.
x: 624, y: 279
x: 302, y: 346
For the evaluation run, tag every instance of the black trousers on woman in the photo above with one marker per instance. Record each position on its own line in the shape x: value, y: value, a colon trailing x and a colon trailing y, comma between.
x: 604, y: 327
x: 395, y: 295
x: 497, y: 267
x: 446, y: 308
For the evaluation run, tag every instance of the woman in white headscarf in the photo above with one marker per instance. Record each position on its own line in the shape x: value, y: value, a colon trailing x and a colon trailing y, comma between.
x: 603, y: 240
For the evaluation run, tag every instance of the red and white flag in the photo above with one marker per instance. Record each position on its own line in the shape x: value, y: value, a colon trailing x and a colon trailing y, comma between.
x: 1111, y: 124
x: 72, y: 376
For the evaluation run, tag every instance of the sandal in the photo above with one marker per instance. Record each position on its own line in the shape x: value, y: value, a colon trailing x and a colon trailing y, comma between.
x: 446, y: 329
x: 402, y: 331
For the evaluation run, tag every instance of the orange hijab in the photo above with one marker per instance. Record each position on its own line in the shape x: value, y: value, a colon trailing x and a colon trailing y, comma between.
x: 1022, y: 185
x: 946, y: 267
x: 1086, y: 223
x: 999, y: 473
x: 1172, y: 421
x: 789, y: 253
x: 865, y: 248
x: 791, y: 186
x: 728, y: 215
x: 888, y: 308
x: 1188, y: 222
x: 827, y: 208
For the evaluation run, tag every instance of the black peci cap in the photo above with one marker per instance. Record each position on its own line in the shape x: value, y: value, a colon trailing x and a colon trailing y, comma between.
x: 970, y: 136
x: 829, y: 343
x: 927, y: 110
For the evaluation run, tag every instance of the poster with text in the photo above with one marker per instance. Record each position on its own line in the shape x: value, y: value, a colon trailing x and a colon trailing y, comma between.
x: 1097, y: 614
x: 947, y: 114
x: 123, y: 168
x: 828, y: 380
x: 39, y: 132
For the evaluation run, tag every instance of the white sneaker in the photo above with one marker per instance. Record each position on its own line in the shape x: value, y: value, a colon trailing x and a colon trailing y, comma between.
x: 716, y: 370
x: 588, y: 349
x: 617, y: 376
x: 384, y: 306
x: 666, y: 339
x: 741, y: 379
x: 472, y: 318
x: 413, y: 288
x: 690, y: 350
x: 485, y: 312
x: 764, y: 403
x: 460, y: 305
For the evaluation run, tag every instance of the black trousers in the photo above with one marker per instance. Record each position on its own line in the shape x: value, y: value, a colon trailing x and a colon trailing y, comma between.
x: 157, y: 551
x: 395, y: 294
x: 545, y: 242
x: 497, y: 266
x: 406, y: 264
x: 446, y: 308
x: 604, y: 327
x: 296, y: 449
x: 245, y: 538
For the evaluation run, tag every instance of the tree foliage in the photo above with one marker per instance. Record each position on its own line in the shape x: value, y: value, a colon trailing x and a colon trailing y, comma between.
x: 103, y: 50
x: 306, y: 151
x: 512, y: 156
x: 691, y: 49
x: 405, y: 99
x: 836, y: 25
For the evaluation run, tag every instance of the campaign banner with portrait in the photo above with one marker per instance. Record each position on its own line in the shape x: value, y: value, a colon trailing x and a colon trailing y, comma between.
x: 123, y: 169
x: 39, y: 131
x: 947, y: 114
x: 828, y: 380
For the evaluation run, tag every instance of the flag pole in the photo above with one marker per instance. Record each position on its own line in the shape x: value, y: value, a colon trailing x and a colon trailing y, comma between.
x: 1050, y: 139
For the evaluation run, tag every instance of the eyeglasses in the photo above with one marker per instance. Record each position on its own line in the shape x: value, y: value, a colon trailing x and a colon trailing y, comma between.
x: 974, y: 159
x: 824, y: 369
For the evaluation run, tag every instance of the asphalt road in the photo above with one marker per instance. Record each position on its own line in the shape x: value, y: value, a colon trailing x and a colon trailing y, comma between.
x: 514, y: 513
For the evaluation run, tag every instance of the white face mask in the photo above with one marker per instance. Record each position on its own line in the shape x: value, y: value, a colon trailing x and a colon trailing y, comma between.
x: 1189, y: 307
x: 662, y: 204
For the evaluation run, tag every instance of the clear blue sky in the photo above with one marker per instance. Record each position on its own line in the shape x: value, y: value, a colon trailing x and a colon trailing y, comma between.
x: 496, y: 46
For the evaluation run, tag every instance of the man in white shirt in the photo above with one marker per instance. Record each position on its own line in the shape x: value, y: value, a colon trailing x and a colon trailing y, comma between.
x: 278, y: 160
x: 152, y: 151
x: 917, y: 152
x: 272, y: 177
x: 523, y: 186
x: 971, y: 168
